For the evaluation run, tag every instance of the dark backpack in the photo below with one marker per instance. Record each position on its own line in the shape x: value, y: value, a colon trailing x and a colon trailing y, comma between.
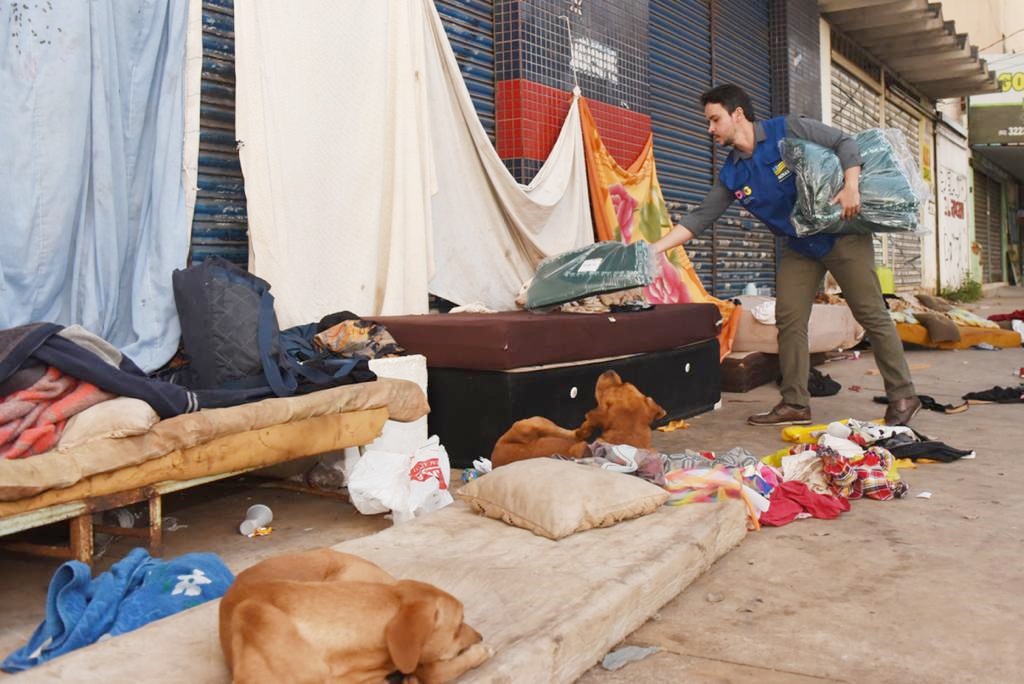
x: 231, y: 337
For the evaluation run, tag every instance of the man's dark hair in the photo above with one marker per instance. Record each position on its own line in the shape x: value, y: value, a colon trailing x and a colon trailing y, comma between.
x: 730, y: 97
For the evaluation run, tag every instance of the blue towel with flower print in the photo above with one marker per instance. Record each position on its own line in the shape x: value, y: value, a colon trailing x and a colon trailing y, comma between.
x: 137, y: 590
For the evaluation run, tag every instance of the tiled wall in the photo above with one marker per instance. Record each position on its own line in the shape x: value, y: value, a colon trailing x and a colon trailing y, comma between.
x: 794, y: 46
x: 537, y: 64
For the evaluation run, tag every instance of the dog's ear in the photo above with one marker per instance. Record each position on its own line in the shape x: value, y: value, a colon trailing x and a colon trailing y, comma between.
x: 655, y: 409
x: 408, y: 632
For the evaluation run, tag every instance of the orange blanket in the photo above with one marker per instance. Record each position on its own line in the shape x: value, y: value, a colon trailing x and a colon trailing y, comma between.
x: 627, y: 205
x: 32, y: 420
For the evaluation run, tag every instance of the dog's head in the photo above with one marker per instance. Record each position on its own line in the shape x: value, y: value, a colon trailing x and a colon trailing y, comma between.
x: 614, y: 394
x: 427, y: 628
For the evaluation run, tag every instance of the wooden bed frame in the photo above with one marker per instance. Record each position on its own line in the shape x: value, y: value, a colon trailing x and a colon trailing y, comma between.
x: 220, y: 458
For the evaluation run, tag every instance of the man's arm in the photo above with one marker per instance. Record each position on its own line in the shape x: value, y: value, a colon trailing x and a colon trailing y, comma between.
x: 697, y: 221
x: 845, y: 148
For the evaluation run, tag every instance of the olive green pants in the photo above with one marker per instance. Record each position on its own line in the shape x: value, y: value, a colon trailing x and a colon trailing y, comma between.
x: 852, y: 262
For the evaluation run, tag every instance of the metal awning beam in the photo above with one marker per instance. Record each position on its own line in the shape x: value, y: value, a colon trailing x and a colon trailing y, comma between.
x: 925, y: 53
x: 928, y: 27
x: 904, y: 12
x: 911, y: 39
x: 827, y: 6
x: 941, y: 71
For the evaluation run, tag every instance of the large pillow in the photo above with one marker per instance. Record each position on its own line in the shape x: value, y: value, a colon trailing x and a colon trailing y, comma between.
x: 111, y: 419
x: 554, y: 498
x: 831, y: 326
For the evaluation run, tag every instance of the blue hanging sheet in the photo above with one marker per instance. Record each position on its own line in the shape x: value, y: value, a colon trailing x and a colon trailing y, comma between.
x: 93, y: 214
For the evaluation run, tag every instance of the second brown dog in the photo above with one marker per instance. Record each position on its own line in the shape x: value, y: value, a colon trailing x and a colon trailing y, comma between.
x: 623, y: 415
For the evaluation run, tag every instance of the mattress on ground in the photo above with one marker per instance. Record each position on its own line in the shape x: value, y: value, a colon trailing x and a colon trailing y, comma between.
x: 22, y: 478
x: 915, y: 333
x: 832, y: 326
x: 513, y: 339
x: 549, y: 609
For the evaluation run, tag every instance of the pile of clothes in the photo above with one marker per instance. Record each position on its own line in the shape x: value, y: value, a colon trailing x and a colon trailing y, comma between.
x: 829, y: 466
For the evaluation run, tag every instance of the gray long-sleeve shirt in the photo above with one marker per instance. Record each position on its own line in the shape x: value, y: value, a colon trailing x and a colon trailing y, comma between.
x: 719, y: 198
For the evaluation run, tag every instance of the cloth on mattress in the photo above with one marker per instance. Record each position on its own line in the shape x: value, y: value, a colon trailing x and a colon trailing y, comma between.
x: 513, y: 339
x: 915, y: 333
x: 597, y: 587
x: 404, y: 400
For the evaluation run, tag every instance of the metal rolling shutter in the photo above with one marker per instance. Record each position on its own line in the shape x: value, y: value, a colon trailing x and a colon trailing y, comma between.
x: 904, y: 249
x: 219, y: 224
x: 988, y: 226
x: 470, y: 28
x: 684, y: 61
x: 744, y: 249
x: 680, y: 70
x: 855, y: 105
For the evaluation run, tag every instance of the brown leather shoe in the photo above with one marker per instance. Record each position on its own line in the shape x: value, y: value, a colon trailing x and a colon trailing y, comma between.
x: 782, y: 414
x: 902, y: 411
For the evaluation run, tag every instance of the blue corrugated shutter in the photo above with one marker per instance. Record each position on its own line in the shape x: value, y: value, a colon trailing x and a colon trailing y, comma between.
x: 744, y: 249
x: 219, y: 225
x: 680, y: 70
x: 693, y: 45
x: 470, y: 28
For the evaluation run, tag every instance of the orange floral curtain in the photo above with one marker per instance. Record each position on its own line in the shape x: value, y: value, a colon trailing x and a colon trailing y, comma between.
x: 627, y: 205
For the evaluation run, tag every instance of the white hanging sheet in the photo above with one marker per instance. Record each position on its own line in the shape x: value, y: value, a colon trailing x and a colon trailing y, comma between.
x: 331, y: 117
x: 490, y: 232
x: 351, y: 115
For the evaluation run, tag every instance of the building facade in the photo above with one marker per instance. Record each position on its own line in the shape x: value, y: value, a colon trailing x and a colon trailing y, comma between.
x: 643, y: 65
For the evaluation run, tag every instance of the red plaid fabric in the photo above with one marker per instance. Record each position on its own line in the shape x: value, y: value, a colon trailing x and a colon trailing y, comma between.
x: 865, y: 478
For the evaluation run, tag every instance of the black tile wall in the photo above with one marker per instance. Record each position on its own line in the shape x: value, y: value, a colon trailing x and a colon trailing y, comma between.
x: 794, y: 48
x: 532, y: 42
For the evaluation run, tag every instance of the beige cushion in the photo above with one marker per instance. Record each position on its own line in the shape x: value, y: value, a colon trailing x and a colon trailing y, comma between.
x: 832, y: 326
x: 554, y: 498
x: 114, y: 418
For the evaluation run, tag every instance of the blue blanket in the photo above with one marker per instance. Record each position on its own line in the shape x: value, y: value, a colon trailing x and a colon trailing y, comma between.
x: 137, y: 590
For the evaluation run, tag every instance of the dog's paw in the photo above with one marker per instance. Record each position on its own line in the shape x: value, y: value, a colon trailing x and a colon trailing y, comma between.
x: 478, y: 653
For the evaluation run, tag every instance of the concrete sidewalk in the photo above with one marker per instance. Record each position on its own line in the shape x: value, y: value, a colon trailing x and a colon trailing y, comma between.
x: 922, y: 590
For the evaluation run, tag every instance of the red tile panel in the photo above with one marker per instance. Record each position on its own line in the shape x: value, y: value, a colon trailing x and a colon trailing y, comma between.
x: 530, y: 115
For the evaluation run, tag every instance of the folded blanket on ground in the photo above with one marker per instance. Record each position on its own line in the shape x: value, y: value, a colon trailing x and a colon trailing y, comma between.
x: 32, y: 419
x: 137, y: 590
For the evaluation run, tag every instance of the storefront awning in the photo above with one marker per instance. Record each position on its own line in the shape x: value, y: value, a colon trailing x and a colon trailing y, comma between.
x: 1009, y: 158
x: 912, y: 39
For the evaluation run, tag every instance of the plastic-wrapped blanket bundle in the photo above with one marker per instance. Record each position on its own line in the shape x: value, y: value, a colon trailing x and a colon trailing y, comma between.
x: 591, y: 270
x: 891, y: 187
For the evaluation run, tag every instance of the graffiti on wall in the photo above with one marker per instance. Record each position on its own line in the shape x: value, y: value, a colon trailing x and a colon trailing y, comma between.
x: 954, y: 249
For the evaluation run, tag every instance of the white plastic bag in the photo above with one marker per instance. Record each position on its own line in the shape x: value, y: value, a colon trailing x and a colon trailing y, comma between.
x: 405, y: 484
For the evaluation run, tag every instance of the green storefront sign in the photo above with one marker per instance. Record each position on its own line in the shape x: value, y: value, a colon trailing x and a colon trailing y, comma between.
x: 999, y: 119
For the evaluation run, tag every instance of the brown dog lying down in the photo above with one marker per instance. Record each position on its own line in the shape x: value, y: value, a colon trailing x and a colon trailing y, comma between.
x: 326, y: 616
x: 623, y: 416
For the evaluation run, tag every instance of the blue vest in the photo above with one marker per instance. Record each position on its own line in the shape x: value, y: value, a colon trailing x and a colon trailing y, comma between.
x: 767, y: 189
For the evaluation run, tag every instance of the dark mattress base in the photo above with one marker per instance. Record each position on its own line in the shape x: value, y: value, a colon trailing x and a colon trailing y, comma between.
x: 514, y: 339
x: 471, y: 409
